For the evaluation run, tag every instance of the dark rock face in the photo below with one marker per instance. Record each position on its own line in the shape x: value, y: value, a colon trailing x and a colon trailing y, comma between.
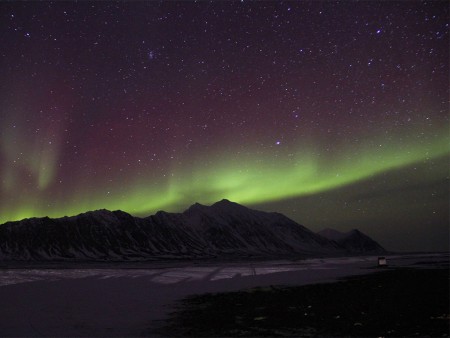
x: 353, y: 241
x: 223, y: 229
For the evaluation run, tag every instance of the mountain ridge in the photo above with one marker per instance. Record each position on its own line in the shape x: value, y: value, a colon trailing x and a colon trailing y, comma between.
x: 223, y: 229
x: 353, y: 241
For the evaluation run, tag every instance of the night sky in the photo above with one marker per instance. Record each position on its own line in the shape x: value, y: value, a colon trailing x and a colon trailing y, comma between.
x: 334, y: 113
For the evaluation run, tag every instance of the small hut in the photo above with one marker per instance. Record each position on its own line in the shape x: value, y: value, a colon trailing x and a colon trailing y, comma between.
x: 382, y: 262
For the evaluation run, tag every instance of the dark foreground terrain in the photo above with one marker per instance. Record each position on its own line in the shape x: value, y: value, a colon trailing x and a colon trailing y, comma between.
x: 398, y: 302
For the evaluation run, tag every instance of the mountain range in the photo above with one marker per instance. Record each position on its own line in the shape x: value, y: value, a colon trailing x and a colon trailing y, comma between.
x: 224, y: 229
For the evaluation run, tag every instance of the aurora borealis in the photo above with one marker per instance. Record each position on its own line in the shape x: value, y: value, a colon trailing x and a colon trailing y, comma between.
x: 334, y: 113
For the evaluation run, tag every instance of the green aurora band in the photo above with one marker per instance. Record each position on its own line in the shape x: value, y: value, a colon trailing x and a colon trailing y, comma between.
x: 244, y: 178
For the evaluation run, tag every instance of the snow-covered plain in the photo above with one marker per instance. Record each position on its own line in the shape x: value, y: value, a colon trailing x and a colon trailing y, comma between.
x: 132, y: 300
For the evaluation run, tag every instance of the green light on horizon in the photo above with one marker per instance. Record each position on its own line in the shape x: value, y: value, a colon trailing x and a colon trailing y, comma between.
x: 247, y: 179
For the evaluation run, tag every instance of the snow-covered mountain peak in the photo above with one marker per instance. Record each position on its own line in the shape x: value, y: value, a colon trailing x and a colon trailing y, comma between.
x: 100, y: 214
x: 196, y: 208
x: 95, y: 212
x: 223, y: 207
x: 229, y: 207
x: 226, y: 203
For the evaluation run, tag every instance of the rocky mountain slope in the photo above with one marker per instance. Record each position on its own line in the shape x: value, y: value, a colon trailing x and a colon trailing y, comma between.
x: 353, y: 241
x: 223, y: 229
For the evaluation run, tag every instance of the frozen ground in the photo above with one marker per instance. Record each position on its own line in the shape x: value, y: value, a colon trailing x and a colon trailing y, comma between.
x: 123, y: 301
